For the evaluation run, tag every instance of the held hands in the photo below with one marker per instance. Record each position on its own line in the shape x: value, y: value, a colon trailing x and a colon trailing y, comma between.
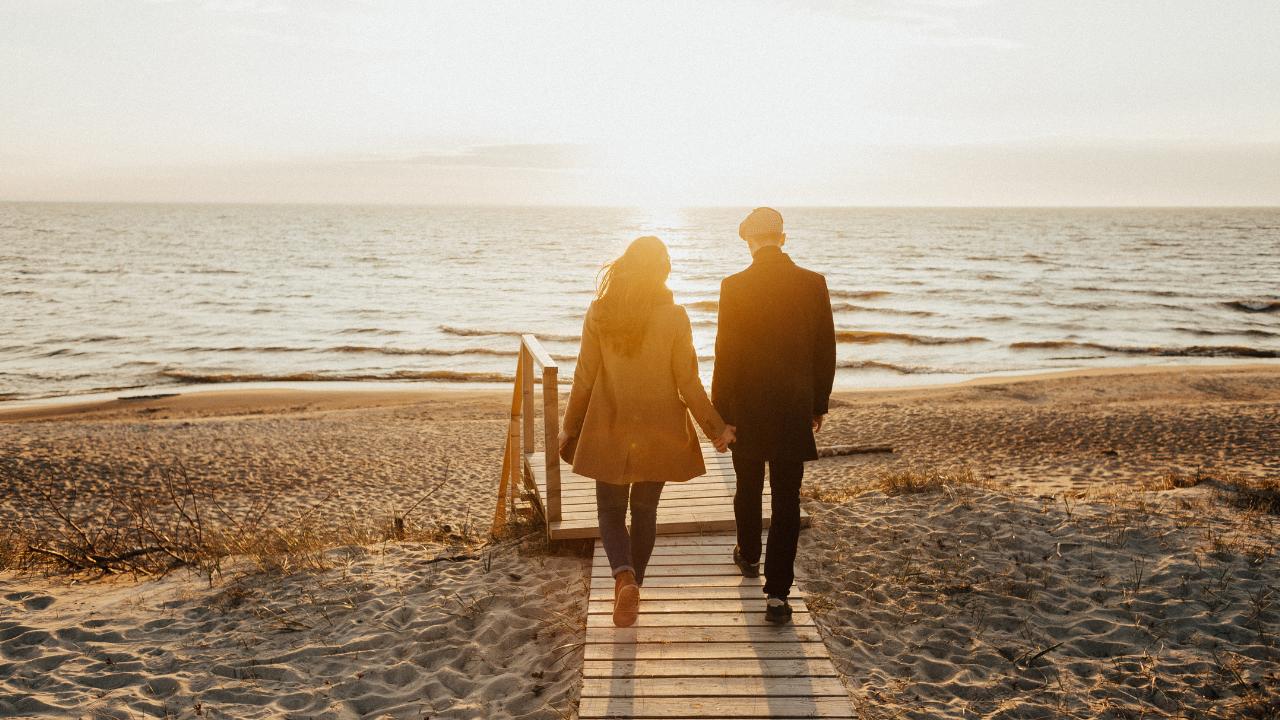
x: 727, y: 438
x: 817, y: 422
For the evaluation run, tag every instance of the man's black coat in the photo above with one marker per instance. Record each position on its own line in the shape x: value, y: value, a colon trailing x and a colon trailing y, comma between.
x: 775, y: 356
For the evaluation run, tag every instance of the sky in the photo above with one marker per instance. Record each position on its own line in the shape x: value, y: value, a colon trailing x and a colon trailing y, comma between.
x: 748, y: 102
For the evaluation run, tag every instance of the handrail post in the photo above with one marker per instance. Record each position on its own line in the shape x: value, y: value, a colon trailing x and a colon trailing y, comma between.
x: 526, y: 389
x: 551, y: 426
x: 512, y: 460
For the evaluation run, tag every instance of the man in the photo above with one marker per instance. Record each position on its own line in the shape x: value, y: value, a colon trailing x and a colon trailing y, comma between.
x: 775, y: 363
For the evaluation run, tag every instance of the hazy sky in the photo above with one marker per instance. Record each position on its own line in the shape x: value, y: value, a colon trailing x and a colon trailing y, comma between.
x: 872, y: 102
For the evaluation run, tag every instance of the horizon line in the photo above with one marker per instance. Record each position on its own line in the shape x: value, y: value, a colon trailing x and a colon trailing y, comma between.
x: 578, y: 206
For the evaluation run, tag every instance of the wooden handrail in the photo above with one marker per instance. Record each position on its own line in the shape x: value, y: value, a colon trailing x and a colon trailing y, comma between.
x: 540, y: 355
x: 532, y: 349
x: 520, y: 431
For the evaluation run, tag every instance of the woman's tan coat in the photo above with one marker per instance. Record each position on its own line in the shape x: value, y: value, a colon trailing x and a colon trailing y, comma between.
x: 631, y: 413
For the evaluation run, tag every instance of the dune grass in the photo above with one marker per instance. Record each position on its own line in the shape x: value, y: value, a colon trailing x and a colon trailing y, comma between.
x: 179, y: 525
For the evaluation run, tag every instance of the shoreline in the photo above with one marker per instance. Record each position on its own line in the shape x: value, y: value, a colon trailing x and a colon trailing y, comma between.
x: 228, y: 398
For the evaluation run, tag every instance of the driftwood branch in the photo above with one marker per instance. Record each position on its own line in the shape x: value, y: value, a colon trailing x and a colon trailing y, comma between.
x: 825, y: 451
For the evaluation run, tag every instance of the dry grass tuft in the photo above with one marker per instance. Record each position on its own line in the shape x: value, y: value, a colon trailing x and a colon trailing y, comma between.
x: 1176, y: 479
x: 1261, y: 495
x: 900, y: 482
x: 178, y: 525
x: 1253, y: 495
x: 910, y: 482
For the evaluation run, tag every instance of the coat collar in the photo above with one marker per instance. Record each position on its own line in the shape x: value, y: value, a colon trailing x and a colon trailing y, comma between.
x: 770, y: 255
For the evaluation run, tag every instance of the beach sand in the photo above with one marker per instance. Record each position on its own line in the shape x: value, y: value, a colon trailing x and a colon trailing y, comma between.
x: 1143, y: 600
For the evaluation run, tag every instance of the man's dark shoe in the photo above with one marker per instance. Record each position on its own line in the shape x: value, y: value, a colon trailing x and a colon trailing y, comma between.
x: 776, y: 610
x: 748, y: 569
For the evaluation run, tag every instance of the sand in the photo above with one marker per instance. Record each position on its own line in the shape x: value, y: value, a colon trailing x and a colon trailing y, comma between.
x: 980, y: 604
x: 1144, y: 602
x: 385, y: 632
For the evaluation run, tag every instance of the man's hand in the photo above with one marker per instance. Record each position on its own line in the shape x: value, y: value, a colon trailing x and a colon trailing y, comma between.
x: 563, y: 438
x: 727, y: 438
x: 817, y: 422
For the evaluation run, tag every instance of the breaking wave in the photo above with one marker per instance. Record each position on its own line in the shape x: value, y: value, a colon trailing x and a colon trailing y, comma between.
x: 191, y: 376
x: 1253, y: 306
x: 878, y: 365
x: 871, y: 336
x: 1238, y: 351
x: 482, y: 332
x: 858, y: 294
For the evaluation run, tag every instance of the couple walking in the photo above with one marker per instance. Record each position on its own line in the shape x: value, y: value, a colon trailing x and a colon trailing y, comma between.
x: 636, y: 383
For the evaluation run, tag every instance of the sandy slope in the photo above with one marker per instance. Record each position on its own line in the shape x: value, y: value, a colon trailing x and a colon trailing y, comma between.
x: 940, y: 605
x: 934, y: 604
x: 385, y: 632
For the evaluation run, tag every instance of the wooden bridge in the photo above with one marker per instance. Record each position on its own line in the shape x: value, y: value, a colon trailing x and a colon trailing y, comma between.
x: 701, y: 647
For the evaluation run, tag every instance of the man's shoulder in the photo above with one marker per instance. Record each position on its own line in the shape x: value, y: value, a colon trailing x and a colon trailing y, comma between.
x: 735, y: 280
x: 812, y: 276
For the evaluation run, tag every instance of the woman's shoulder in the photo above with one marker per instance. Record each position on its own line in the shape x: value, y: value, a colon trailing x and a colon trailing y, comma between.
x: 673, y: 315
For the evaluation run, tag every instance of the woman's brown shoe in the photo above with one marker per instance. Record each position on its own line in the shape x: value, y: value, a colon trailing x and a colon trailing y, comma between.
x: 626, y: 599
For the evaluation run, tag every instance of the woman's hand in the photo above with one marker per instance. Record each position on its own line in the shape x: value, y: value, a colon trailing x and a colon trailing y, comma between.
x: 563, y: 439
x: 727, y: 438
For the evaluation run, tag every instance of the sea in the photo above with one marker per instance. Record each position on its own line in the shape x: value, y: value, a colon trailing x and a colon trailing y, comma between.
x: 127, y: 297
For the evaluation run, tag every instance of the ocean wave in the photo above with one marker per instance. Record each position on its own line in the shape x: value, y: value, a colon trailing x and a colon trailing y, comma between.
x: 850, y: 307
x: 1253, y: 306
x: 245, y: 349
x: 191, y: 376
x: 1157, y: 350
x: 435, y: 352
x: 879, y: 365
x: 713, y: 305
x: 369, y: 331
x: 1129, y: 291
x: 482, y: 332
x: 707, y: 305
x: 858, y: 294
x: 872, y: 336
x: 1237, y: 331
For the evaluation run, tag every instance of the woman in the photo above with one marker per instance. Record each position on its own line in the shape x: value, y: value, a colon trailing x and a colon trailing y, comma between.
x: 634, y: 387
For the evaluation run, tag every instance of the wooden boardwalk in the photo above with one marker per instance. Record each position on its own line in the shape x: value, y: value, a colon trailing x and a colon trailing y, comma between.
x: 703, y: 504
x: 702, y: 648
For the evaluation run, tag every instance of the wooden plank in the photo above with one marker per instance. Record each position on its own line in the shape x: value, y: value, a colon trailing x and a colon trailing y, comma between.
x: 689, y: 559
x: 665, y: 553
x: 685, y: 605
x: 665, y: 651
x: 551, y: 427
x: 721, y: 568
x: 677, y: 506
x: 539, y: 353
x: 582, y: 529
x: 780, y: 708
x: 748, y: 635
x: 758, y: 667
x: 524, y: 377
x: 649, y: 619
x: 649, y: 593
x: 576, y: 483
x: 685, y: 582
x: 754, y: 687
x: 718, y: 539
x: 570, y: 496
x: 681, y: 520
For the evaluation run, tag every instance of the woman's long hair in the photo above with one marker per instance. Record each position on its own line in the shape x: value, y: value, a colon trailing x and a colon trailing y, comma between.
x: 628, y: 290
